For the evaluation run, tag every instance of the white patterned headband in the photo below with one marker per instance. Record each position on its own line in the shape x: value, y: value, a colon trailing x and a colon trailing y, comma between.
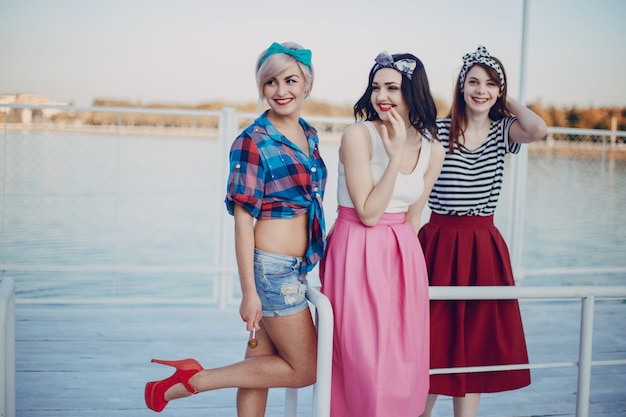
x: 481, y: 56
x: 405, y: 66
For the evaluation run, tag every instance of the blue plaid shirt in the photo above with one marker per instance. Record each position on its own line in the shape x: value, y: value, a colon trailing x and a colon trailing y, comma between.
x: 271, y: 178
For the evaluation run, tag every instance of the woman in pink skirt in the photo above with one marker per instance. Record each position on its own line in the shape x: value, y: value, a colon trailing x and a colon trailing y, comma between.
x: 373, y: 270
x: 461, y: 244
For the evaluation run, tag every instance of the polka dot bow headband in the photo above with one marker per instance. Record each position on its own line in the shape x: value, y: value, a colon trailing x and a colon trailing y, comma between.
x: 481, y: 56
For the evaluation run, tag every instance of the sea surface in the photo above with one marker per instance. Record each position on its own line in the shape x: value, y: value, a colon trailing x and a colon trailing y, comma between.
x: 87, y: 215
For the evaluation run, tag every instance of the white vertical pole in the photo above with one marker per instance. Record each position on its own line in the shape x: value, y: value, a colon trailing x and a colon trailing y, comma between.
x: 7, y: 347
x: 3, y: 191
x: 518, y: 171
x: 584, y: 356
x: 325, y: 327
x: 291, y: 402
x: 227, y: 131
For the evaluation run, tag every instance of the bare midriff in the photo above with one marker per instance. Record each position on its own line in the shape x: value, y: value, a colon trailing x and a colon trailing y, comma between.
x: 282, y: 236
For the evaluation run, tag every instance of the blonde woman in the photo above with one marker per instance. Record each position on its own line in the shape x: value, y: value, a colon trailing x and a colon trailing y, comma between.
x: 274, y: 191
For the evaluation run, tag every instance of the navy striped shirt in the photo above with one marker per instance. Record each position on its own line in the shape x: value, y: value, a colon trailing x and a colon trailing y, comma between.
x: 471, y: 180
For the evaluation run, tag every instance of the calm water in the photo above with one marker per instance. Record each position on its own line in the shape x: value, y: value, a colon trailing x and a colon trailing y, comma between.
x: 87, y: 215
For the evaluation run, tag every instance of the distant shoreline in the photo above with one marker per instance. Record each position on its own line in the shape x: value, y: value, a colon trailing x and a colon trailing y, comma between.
x: 544, y: 147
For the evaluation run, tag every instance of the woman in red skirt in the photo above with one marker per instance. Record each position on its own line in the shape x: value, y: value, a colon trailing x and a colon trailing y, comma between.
x: 462, y: 247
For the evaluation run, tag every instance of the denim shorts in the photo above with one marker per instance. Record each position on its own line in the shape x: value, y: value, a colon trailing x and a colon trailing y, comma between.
x: 279, y: 283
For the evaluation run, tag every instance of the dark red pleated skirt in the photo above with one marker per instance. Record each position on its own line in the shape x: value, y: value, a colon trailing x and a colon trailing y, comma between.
x: 463, y: 251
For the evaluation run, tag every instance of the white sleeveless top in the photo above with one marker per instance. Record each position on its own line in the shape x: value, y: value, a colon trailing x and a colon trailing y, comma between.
x: 408, y: 188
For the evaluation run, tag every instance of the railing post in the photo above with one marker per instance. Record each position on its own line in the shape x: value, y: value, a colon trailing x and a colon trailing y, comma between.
x: 518, y: 170
x: 324, y: 323
x: 3, y: 174
x: 227, y: 131
x: 584, y: 356
x: 291, y: 402
x: 7, y: 347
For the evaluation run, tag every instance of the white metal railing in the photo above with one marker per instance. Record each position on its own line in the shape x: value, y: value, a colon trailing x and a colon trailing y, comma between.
x: 587, y: 295
x: 7, y: 347
x: 321, y: 389
x: 324, y: 325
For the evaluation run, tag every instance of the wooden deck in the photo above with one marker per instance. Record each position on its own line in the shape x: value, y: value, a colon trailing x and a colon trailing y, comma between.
x: 93, y: 360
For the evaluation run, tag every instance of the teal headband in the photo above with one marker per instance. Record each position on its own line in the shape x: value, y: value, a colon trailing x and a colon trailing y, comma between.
x: 301, y: 55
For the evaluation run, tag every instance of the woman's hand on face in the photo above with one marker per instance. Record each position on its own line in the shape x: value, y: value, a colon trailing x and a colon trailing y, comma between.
x: 250, y: 311
x: 394, y: 136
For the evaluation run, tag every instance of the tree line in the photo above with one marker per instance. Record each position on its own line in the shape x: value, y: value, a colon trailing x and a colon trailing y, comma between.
x: 605, y: 118
x: 583, y: 118
x: 573, y: 116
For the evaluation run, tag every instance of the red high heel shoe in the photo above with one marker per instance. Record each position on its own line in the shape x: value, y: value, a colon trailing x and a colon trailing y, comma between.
x: 155, y: 391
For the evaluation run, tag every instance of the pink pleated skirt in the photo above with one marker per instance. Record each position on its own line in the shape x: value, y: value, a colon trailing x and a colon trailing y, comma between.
x: 376, y: 280
x: 469, y: 251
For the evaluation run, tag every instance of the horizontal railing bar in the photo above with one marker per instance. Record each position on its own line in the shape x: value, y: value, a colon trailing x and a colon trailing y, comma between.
x: 87, y: 268
x: 108, y: 268
x: 106, y: 109
x: 609, y: 363
x: 311, y: 118
x: 467, y: 369
x: 512, y: 367
x: 574, y: 271
x: 166, y: 111
x: 121, y: 301
x: 436, y: 293
x: 327, y: 119
x: 444, y: 293
x: 505, y: 292
x: 590, y: 132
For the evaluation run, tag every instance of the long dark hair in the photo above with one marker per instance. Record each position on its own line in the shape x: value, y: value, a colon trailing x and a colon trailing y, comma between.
x: 416, y: 93
x: 458, y: 118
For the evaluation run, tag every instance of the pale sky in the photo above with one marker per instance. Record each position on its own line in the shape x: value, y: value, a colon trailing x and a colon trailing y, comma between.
x: 198, y: 51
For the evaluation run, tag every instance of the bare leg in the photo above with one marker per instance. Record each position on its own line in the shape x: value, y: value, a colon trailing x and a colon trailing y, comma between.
x: 466, y: 406
x: 252, y: 402
x: 293, y: 365
x: 430, y: 403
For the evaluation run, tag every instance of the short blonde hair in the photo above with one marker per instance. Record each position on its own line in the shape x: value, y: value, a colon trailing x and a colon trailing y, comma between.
x: 277, y: 63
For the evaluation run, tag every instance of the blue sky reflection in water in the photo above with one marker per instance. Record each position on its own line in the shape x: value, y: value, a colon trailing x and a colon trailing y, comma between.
x: 193, y: 51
